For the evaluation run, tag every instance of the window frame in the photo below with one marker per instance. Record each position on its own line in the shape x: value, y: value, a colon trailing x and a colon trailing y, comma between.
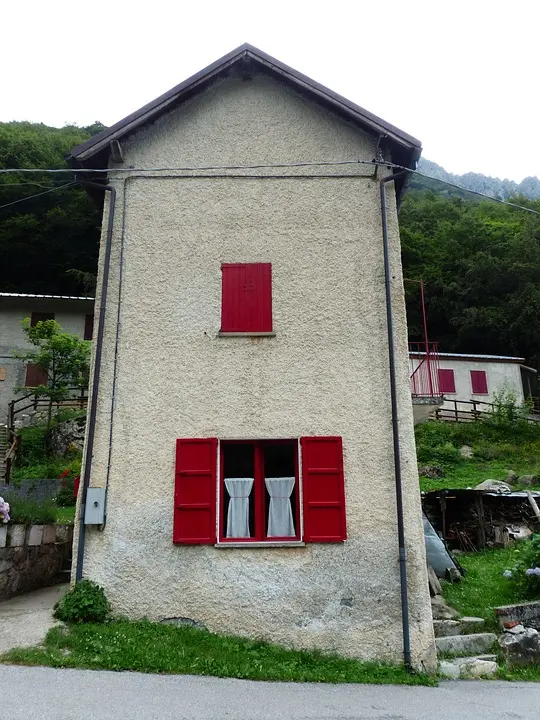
x: 259, y: 490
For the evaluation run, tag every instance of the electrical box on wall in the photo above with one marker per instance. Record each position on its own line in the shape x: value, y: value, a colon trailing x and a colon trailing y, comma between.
x: 94, y: 513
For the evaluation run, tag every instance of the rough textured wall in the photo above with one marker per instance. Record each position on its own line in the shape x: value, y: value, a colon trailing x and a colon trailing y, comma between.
x: 325, y: 372
x: 69, y: 313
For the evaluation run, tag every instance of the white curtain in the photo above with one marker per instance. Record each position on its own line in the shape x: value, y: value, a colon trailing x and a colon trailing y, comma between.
x: 239, y: 490
x: 280, y: 517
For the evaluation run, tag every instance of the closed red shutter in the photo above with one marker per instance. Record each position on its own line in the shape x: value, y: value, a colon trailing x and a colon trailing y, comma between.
x: 479, y: 382
x: 447, y: 384
x: 246, y: 297
x: 35, y: 376
x: 195, y: 492
x: 323, y: 489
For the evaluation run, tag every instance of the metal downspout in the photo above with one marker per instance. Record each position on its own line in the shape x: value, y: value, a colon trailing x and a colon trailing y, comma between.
x: 96, y: 374
x: 395, y: 427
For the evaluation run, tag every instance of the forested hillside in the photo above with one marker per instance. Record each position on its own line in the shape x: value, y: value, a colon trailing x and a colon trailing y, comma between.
x: 480, y: 259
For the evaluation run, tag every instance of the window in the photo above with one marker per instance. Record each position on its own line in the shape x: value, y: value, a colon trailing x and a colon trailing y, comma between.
x: 479, y: 382
x: 447, y: 383
x: 246, y: 298
x: 259, y: 490
x: 88, y: 326
x: 40, y: 317
x: 35, y: 376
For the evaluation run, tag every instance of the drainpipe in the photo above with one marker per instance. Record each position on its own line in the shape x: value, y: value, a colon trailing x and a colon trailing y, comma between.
x: 96, y: 374
x: 395, y: 427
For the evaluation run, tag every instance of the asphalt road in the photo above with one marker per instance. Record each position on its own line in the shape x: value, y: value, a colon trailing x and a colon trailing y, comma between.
x: 47, y: 694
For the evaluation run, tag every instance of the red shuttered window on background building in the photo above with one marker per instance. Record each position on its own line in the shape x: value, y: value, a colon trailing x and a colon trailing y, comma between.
x: 88, y: 326
x: 479, y: 382
x: 259, y: 491
x: 447, y: 383
x: 35, y: 376
x: 246, y: 297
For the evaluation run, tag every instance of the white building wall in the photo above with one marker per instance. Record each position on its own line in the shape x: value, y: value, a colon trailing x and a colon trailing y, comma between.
x: 69, y: 313
x: 176, y: 378
x: 500, y: 376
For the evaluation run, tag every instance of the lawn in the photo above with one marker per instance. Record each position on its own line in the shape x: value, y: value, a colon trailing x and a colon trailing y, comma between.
x: 65, y: 515
x: 143, y: 646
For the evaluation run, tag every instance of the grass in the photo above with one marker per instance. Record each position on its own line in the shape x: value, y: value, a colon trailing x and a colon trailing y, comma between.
x: 144, y: 646
x: 469, y: 473
x: 28, y: 512
x: 65, y: 515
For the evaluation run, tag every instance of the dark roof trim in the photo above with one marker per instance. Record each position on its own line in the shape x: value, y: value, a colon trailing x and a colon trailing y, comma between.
x: 100, y: 142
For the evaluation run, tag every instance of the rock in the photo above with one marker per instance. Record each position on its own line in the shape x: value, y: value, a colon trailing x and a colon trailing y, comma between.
x: 471, y: 625
x: 17, y: 535
x: 528, y: 480
x: 434, y: 584
x: 527, y: 614
x: 442, y: 611
x: 466, y: 451
x: 522, y: 649
x: 68, y: 436
x: 446, y: 628
x: 468, y: 667
x: 496, y: 486
x: 511, y: 477
x: 516, y: 629
x: 474, y: 644
x: 453, y: 575
x: 431, y: 471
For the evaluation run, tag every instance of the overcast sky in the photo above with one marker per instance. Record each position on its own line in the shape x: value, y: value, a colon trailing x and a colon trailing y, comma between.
x: 463, y: 77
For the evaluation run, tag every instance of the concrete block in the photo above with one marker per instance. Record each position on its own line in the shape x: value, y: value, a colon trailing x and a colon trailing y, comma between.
x: 3, y: 536
x: 35, y: 535
x: 449, y: 670
x: 49, y: 534
x: 463, y: 645
x: 17, y: 535
x: 468, y: 667
x: 444, y: 628
x: 471, y: 625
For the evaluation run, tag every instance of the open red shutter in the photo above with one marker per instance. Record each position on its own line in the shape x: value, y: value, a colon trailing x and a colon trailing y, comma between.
x: 246, y: 297
x: 323, y: 489
x: 195, y: 492
x: 35, y: 376
x: 479, y: 382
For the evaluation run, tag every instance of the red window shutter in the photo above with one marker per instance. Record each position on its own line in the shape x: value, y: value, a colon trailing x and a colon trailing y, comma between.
x: 246, y: 297
x: 35, y: 376
x: 479, y: 382
x: 195, y: 492
x: 40, y: 317
x: 88, y: 326
x: 447, y: 383
x: 323, y: 489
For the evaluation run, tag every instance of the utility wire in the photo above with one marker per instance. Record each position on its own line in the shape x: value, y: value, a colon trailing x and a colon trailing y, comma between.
x: 31, y: 197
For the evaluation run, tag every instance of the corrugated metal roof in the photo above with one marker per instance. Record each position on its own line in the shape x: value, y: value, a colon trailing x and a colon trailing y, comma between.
x: 466, y: 356
x: 52, y: 297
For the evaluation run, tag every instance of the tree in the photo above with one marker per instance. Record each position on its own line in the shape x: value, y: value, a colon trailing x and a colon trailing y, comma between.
x: 63, y: 357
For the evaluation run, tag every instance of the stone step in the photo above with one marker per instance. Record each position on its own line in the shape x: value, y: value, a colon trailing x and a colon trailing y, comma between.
x: 469, y: 667
x: 463, y: 645
x: 463, y: 626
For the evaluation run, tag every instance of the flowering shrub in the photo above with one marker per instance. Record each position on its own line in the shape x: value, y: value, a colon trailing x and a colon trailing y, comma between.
x: 67, y: 495
x: 4, y: 510
x: 525, y: 575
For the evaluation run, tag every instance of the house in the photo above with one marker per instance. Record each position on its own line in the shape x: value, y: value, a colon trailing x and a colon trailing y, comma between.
x: 470, y: 381
x: 250, y: 460
x: 74, y: 314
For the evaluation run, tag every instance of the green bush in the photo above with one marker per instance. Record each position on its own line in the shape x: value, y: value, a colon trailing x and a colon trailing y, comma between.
x: 525, y: 575
x: 33, y: 447
x: 30, y: 512
x: 444, y: 454
x: 84, y: 603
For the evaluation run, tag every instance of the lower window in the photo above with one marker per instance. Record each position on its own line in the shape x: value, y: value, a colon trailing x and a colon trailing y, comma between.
x: 259, y: 491
x: 259, y: 494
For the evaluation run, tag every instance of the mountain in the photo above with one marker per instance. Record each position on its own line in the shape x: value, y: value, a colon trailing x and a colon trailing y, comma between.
x: 494, y: 187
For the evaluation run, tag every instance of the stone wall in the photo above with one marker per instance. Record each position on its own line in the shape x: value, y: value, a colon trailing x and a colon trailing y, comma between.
x: 32, y: 556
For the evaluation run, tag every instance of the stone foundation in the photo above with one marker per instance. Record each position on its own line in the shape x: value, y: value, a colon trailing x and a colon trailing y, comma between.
x: 32, y: 556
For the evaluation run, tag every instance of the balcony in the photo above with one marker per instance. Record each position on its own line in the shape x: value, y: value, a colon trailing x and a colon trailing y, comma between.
x: 424, y: 379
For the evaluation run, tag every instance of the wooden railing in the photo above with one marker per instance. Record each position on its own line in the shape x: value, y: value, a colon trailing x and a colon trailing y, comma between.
x: 477, y: 410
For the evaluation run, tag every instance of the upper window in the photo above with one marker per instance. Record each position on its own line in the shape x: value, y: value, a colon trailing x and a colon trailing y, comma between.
x: 479, y: 384
x: 447, y: 383
x: 40, y: 317
x: 246, y: 297
x: 256, y: 496
x: 88, y: 326
x: 35, y: 376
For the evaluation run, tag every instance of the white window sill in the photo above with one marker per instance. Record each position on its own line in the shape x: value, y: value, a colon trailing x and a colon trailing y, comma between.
x: 221, y: 333
x: 268, y: 544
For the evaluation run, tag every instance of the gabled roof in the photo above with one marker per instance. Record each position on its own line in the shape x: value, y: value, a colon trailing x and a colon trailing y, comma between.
x: 95, y: 151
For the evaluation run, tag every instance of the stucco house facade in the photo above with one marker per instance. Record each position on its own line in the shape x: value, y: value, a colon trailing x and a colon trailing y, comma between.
x: 74, y: 314
x: 248, y: 480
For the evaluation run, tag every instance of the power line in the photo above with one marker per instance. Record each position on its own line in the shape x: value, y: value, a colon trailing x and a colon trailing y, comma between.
x: 31, y: 197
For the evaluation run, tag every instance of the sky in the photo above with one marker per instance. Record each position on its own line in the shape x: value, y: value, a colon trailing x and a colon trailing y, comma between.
x: 460, y: 76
